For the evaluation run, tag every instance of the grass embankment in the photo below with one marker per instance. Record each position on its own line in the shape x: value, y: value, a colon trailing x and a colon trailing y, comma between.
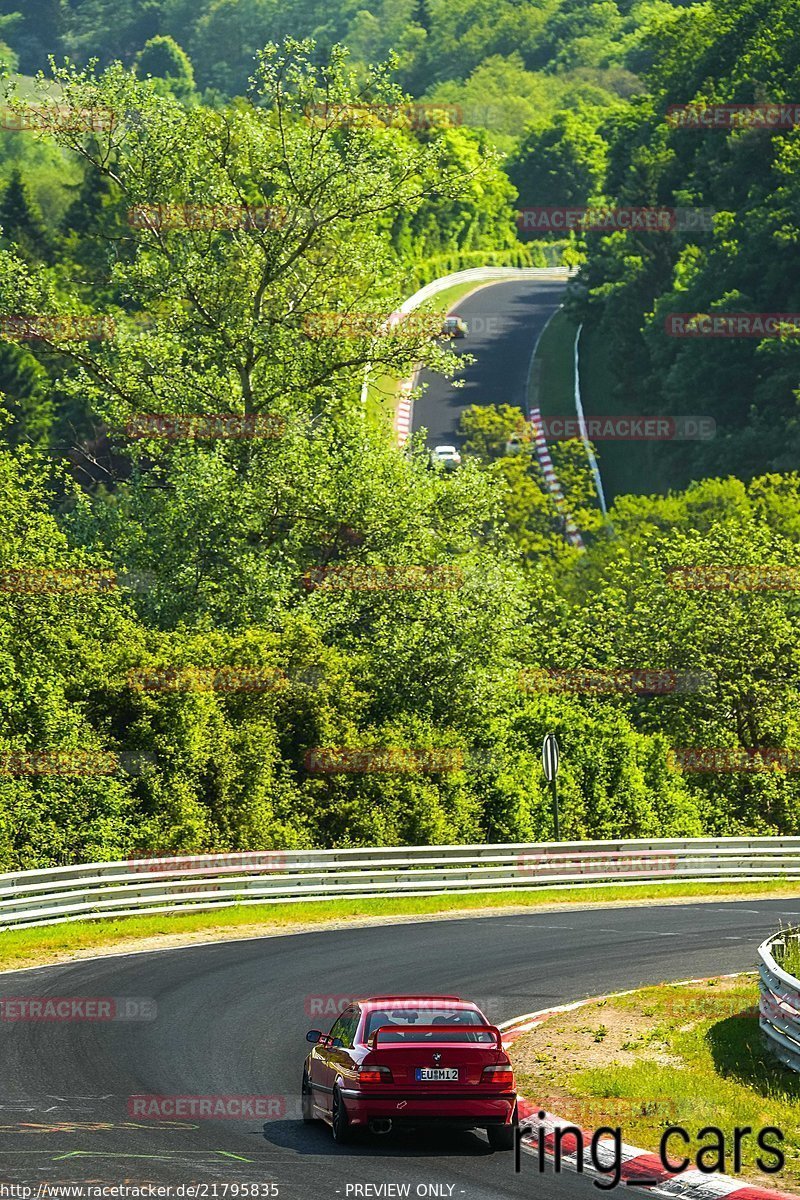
x: 33, y: 947
x: 690, y: 1056
x: 788, y: 955
x: 383, y: 390
x: 641, y: 467
x: 552, y: 386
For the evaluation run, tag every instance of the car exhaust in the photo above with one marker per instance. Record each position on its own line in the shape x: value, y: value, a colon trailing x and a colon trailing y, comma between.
x: 380, y: 1126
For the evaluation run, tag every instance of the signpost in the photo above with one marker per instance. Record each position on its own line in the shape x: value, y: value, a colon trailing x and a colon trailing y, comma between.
x: 550, y: 759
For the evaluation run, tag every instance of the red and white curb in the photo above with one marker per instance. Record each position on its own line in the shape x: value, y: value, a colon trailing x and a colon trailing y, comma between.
x: 638, y: 1167
x: 404, y: 413
x: 551, y: 480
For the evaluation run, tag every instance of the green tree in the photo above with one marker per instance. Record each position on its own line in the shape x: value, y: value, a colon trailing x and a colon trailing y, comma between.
x: 562, y: 162
x: 25, y: 396
x: 34, y: 29
x: 163, y: 58
x: 21, y: 223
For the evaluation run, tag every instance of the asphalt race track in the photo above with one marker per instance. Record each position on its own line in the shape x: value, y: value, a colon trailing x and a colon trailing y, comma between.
x: 504, y: 321
x: 231, y: 1019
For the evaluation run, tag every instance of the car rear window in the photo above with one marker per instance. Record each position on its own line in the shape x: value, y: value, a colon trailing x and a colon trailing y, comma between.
x: 405, y: 1025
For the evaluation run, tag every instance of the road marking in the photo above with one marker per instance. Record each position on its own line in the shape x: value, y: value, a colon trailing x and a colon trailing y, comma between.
x: 528, y: 925
x: 642, y: 932
x: 161, y: 1157
x: 104, y: 1154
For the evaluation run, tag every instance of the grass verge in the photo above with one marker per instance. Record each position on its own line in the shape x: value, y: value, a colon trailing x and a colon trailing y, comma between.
x: 788, y: 955
x: 35, y: 947
x: 689, y: 1056
x: 552, y: 385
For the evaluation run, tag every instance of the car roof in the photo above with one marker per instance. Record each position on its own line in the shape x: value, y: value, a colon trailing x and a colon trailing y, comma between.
x: 374, y: 1003
x: 446, y: 448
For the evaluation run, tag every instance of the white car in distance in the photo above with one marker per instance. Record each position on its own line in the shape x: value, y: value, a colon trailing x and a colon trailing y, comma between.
x: 446, y: 457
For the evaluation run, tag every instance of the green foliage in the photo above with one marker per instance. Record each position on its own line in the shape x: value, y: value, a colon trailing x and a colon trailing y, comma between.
x: 521, y: 256
x: 701, y: 55
x: 34, y: 28
x: 562, y: 162
x: 21, y: 223
x: 163, y: 58
x: 521, y: 52
x: 216, y: 542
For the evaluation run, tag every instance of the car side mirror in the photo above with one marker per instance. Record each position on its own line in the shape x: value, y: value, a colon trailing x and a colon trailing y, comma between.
x: 314, y: 1035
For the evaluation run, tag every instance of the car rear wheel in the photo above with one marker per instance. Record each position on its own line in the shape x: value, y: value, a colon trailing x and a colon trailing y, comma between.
x: 501, y: 1137
x: 307, y: 1100
x: 342, y: 1130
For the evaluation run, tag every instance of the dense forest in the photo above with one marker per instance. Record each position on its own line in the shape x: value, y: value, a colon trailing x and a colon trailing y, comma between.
x: 134, y: 567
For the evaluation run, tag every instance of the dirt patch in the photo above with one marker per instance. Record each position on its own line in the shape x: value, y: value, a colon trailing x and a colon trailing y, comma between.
x: 621, y: 1031
x: 594, y: 1035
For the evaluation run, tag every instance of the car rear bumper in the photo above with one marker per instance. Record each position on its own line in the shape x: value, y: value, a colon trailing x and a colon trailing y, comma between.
x: 408, y: 1109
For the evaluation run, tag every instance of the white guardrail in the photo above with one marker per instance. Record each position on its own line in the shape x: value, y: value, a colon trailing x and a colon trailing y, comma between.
x: 779, y: 1003
x: 480, y: 275
x: 156, y: 885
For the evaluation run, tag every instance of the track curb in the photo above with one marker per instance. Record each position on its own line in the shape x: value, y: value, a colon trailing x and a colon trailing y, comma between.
x: 639, y: 1167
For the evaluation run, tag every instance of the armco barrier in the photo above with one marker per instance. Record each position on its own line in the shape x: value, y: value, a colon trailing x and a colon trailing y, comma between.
x: 57, y: 894
x: 779, y: 1003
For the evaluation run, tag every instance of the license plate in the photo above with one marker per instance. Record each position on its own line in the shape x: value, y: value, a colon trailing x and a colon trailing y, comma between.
x: 436, y: 1074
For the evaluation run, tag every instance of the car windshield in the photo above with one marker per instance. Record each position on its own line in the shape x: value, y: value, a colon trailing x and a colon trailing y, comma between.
x: 408, y: 1024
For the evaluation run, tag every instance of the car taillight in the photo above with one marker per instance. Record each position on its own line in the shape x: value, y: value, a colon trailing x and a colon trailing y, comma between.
x: 499, y: 1074
x: 375, y: 1075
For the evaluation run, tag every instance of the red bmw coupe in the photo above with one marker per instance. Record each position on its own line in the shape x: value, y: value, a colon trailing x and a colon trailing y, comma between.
x: 404, y: 1060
